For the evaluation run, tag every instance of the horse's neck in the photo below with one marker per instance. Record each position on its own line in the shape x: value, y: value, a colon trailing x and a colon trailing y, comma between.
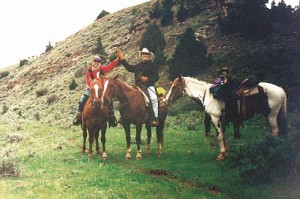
x: 196, y: 90
x: 124, y: 92
x: 199, y: 92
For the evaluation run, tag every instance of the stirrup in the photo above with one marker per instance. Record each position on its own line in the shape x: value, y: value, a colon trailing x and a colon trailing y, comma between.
x: 112, y: 121
x: 154, y: 122
x: 78, y: 119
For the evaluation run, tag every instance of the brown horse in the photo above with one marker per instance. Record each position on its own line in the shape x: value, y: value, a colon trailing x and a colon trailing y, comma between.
x: 133, y: 110
x: 95, y: 119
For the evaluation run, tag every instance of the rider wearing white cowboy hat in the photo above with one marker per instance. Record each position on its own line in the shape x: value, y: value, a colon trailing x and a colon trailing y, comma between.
x: 146, y: 74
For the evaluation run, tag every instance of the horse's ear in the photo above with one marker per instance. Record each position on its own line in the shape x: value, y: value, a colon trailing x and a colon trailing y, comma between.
x: 116, y: 76
x: 179, y: 77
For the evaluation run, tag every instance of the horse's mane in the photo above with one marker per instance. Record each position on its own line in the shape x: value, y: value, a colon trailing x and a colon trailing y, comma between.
x: 125, y: 84
x: 194, y: 80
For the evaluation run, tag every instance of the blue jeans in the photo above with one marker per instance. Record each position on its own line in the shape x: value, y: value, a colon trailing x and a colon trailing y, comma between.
x: 83, y: 99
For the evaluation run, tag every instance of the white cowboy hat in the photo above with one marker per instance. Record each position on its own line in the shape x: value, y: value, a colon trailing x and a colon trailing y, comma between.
x: 146, y: 51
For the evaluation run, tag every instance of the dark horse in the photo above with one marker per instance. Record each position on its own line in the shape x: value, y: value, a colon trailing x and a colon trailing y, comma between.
x: 95, y: 119
x: 133, y: 110
x: 199, y: 90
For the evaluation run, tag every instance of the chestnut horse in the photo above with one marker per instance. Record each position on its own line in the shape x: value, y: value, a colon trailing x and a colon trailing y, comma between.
x: 133, y: 110
x: 199, y: 90
x: 95, y: 119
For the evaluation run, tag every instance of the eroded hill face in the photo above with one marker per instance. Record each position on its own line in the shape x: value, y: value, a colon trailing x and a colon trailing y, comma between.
x: 39, y: 91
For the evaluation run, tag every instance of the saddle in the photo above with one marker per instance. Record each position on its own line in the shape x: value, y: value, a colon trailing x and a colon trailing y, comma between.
x: 160, y: 96
x: 251, y: 100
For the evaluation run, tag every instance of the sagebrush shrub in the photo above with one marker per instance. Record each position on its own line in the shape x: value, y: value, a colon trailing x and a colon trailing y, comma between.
x: 52, y: 98
x: 41, y: 92
x: 263, y: 158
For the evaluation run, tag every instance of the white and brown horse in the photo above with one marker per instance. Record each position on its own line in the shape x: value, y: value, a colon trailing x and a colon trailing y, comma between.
x: 95, y: 119
x: 199, y: 92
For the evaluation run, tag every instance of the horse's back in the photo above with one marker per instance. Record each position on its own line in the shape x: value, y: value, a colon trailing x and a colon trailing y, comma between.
x: 276, y: 94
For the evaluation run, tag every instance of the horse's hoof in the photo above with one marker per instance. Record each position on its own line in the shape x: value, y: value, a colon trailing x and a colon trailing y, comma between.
x: 104, y: 156
x: 237, y: 136
x: 128, y: 156
x: 138, y: 157
x: 220, y: 157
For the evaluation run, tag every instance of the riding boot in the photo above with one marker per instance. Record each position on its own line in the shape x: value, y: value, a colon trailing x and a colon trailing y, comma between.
x: 153, y: 120
x: 78, y: 119
x: 112, y: 121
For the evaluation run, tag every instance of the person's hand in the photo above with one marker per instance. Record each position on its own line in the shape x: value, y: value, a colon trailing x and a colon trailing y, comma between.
x: 119, y: 55
x: 144, y: 79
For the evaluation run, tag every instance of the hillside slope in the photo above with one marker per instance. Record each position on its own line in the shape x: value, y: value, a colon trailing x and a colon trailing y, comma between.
x: 53, y: 71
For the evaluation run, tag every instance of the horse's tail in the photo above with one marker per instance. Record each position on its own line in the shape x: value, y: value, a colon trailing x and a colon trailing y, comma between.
x: 282, y: 117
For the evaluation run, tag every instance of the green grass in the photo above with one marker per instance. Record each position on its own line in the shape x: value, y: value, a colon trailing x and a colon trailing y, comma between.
x: 51, y: 166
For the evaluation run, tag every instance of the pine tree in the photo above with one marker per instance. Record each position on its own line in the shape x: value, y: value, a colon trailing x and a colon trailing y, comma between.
x: 99, y: 48
x: 73, y: 85
x: 49, y: 47
x: 102, y: 14
x: 189, y: 56
x: 182, y: 13
x: 153, y: 39
x: 167, y: 14
x: 156, y: 12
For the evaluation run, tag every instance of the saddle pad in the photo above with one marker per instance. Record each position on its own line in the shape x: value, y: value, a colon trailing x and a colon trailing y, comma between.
x: 146, y: 99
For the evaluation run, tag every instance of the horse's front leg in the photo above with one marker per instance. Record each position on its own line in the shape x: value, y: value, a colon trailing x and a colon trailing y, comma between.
x: 138, y: 141
x: 97, y: 139
x: 149, y: 134
x: 207, y: 120
x: 91, y: 140
x: 103, y: 140
x: 128, y: 139
x: 160, y: 136
x: 236, y: 128
x: 84, y: 135
x: 221, y: 138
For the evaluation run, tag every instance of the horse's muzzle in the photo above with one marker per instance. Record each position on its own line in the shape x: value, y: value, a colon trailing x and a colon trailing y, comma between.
x: 96, y: 103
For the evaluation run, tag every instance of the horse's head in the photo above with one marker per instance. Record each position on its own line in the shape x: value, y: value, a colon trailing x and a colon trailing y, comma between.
x: 96, y: 92
x: 177, y: 90
x: 110, y: 89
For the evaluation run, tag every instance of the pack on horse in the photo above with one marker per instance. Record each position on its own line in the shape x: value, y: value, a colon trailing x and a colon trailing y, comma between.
x: 95, y: 119
x: 200, y: 91
x: 133, y: 110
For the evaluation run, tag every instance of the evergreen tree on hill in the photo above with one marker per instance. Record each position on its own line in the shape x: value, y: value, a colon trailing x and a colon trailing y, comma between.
x: 153, y: 39
x: 99, y: 48
x: 189, y: 57
x: 156, y: 12
x: 250, y: 18
x: 167, y: 14
x: 182, y: 13
x: 102, y: 14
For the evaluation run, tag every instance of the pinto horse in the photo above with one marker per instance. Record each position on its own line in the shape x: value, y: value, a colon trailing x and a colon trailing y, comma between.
x: 199, y: 92
x: 133, y: 110
x: 95, y: 119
